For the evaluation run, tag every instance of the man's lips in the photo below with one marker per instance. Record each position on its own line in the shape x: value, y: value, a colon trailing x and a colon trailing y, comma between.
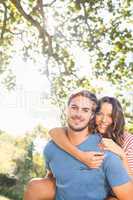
x: 77, y: 120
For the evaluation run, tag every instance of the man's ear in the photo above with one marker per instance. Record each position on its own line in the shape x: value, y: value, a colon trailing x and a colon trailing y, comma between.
x: 66, y: 111
x: 92, y: 116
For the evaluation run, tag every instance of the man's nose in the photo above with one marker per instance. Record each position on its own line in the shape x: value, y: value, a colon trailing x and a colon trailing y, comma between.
x: 79, y: 112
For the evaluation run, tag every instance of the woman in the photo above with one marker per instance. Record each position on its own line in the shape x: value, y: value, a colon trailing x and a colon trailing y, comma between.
x: 110, y: 124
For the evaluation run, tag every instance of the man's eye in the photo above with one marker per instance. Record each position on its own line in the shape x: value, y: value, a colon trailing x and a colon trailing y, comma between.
x: 74, y: 108
x: 86, y: 110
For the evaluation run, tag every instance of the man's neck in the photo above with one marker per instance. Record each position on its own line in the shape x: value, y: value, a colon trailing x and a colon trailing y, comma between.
x: 77, y: 137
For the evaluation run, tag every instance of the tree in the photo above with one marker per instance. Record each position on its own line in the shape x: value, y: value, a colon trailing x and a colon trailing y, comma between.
x: 20, y: 162
x: 102, y: 29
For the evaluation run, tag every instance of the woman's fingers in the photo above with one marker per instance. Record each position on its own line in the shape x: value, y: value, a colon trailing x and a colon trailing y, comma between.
x: 92, y: 159
x: 96, y: 160
x: 96, y: 164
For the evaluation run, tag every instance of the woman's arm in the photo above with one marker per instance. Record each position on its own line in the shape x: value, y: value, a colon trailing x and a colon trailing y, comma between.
x: 91, y: 159
x: 110, y: 145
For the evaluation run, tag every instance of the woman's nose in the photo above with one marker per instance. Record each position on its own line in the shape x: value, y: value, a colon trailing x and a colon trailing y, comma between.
x: 104, y: 118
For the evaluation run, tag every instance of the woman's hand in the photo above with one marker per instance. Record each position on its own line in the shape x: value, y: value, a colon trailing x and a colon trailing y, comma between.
x: 110, y: 145
x: 92, y: 159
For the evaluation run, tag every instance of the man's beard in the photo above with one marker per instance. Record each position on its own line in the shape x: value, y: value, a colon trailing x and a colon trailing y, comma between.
x: 77, y: 129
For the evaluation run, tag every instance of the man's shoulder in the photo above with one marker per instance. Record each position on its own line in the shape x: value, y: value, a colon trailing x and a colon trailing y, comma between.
x: 49, y: 143
x: 111, y: 155
x: 111, y: 159
x: 114, y: 170
x: 49, y: 147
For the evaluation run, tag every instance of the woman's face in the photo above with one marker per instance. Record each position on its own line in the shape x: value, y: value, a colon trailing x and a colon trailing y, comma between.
x: 104, y: 117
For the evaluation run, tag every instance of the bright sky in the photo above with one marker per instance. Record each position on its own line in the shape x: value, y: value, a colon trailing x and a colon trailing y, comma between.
x: 23, y: 109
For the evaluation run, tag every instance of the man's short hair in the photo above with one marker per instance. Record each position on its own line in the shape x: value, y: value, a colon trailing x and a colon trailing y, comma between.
x: 84, y: 93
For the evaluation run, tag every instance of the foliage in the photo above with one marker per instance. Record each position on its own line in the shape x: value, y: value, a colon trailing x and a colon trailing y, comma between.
x: 130, y: 128
x: 100, y: 29
x: 7, y: 153
x: 20, y: 163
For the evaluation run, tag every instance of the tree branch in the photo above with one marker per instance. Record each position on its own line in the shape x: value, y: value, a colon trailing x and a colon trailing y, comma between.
x: 13, y: 33
x: 44, y: 35
x: 49, y: 4
x: 29, y: 18
x: 4, y: 21
x: 50, y: 50
x: 86, y: 22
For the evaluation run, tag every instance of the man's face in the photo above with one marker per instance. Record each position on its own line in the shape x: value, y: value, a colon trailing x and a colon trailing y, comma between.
x: 79, y: 113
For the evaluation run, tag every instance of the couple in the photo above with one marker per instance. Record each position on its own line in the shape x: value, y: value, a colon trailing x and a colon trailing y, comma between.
x: 105, y: 171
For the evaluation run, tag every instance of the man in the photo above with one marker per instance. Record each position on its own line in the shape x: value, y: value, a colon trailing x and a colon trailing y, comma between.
x: 75, y: 181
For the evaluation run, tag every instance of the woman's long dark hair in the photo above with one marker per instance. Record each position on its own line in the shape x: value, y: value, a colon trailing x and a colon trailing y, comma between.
x: 116, y: 129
